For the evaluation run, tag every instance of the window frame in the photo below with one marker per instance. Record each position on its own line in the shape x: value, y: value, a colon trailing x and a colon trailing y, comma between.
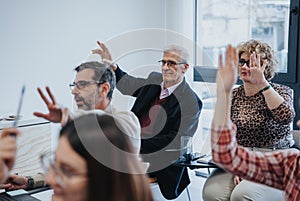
x: 290, y: 78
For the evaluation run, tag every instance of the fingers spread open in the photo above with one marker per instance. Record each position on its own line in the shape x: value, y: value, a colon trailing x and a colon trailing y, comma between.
x: 51, y: 95
x: 38, y: 114
x: 45, y: 99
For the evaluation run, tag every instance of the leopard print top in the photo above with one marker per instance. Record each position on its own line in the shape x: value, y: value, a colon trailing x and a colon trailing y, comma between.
x: 258, y: 126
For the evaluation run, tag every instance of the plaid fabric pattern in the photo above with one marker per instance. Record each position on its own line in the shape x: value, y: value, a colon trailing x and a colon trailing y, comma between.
x: 279, y: 169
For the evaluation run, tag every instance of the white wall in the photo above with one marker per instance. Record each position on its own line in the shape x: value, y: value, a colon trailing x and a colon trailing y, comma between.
x: 42, y: 41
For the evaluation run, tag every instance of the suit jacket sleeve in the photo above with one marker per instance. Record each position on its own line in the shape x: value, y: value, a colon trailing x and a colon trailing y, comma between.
x: 127, y: 84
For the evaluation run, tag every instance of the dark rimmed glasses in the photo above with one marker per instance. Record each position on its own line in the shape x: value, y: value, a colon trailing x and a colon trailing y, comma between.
x: 83, y: 83
x: 242, y: 62
x: 170, y: 63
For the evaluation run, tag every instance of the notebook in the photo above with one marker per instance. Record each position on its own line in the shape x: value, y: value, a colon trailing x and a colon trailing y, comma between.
x: 22, y: 197
x: 17, y: 195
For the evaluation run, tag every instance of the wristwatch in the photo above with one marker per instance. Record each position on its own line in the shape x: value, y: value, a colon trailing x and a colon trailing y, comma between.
x: 30, y: 182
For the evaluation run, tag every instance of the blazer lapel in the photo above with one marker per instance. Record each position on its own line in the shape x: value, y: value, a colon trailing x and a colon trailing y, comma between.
x: 146, y: 97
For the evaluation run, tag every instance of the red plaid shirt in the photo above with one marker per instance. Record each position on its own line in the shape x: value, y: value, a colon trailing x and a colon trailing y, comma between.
x: 279, y: 169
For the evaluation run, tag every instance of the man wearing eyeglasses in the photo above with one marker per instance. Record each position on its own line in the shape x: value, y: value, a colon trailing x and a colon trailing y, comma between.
x: 167, y: 109
x: 92, y: 90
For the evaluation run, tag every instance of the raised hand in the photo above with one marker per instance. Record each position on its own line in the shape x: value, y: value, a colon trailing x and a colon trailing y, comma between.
x: 7, y: 151
x: 55, y: 112
x: 227, y: 74
x: 105, y: 55
x: 257, y: 70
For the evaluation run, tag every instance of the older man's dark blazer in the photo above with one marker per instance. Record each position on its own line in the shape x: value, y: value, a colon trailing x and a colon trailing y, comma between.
x: 179, y: 116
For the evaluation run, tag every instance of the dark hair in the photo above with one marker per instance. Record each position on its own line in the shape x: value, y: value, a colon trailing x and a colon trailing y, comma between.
x: 89, y: 135
x: 103, y: 73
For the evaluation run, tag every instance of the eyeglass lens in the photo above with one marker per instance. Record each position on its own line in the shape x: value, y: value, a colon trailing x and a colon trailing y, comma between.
x: 170, y: 63
x: 48, y: 164
x: 82, y: 84
x: 243, y: 61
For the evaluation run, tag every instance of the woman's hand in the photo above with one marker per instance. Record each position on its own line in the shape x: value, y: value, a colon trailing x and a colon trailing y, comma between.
x: 15, y: 182
x: 257, y: 70
x: 7, y: 151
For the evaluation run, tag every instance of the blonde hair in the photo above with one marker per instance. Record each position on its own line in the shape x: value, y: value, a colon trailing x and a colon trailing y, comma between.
x: 265, y: 52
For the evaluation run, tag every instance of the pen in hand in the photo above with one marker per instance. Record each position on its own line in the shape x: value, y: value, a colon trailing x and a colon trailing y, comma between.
x: 15, y: 123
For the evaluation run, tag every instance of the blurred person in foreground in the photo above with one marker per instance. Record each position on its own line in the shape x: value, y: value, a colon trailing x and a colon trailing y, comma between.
x: 7, y: 151
x: 278, y: 169
x: 94, y: 160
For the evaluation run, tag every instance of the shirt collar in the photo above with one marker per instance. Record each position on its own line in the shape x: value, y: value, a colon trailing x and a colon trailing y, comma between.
x: 168, y: 91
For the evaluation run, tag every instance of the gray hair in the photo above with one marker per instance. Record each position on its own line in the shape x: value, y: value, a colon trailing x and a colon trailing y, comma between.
x: 103, y: 73
x: 180, y: 51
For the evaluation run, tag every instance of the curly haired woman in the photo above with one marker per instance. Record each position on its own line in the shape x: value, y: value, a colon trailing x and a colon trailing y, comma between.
x: 262, y: 112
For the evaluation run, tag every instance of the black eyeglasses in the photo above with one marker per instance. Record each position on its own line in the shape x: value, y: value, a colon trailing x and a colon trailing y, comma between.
x: 170, y: 63
x: 82, y: 84
x: 242, y: 62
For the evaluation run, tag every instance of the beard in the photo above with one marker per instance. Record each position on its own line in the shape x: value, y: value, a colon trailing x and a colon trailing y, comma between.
x: 83, y: 104
x: 88, y: 102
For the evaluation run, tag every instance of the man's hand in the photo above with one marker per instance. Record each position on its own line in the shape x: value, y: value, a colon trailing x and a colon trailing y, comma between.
x: 7, y: 151
x: 55, y: 112
x: 105, y: 55
x: 15, y: 182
